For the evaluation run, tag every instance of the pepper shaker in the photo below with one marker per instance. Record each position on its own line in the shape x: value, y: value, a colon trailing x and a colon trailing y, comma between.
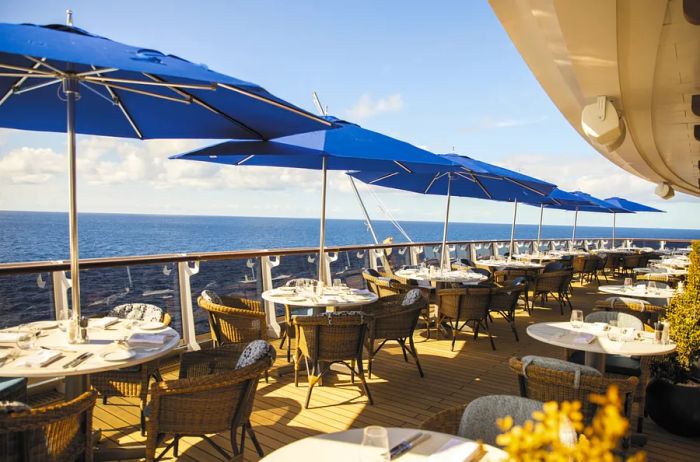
x: 83, y: 337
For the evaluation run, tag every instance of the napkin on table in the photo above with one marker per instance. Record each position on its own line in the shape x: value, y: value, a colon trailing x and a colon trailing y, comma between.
x: 12, y: 337
x: 456, y: 450
x: 584, y: 338
x: 40, y: 358
x: 149, y: 339
x: 104, y: 322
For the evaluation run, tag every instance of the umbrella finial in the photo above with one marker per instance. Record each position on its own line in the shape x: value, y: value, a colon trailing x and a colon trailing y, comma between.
x: 69, y: 17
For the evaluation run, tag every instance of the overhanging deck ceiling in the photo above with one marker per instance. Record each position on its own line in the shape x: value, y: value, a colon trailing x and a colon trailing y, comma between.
x: 643, y: 54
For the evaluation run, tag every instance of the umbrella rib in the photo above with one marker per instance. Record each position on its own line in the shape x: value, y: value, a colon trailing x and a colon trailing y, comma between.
x: 110, y: 80
x: 435, y: 178
x: 143, y: 92
x: 382, y: 178
x: 97, y: 72
x: 13, y: 88
x: 19, y: 91
x: 408, y: 170
x: 33, y: 70
x: 483, y: 188
x: 469, y: 177
x: 42, y: 62
x: 207, y: 106
x: 276, y: 104
x: 244, y: 160
x: 523, y: 185
x: 117, y: 100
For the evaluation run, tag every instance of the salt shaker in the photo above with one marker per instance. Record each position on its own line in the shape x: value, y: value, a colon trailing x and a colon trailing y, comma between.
x: 83, y: 336
x: 72, y: 330
x: 666, y: 332
x: 658, y: 332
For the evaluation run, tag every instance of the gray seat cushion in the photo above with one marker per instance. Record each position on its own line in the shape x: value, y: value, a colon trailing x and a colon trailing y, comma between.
x: 560, y: 365
x: 211, y: 297
x: 411, y: 297
x: 254, y: 352
x: 615, y: 364
x: 138, y: 312
x: 479, y: 418
x: 623, y: 319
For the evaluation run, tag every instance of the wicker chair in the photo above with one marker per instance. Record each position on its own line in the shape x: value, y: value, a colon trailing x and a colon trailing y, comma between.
x: 666, y: 278
x: 645, y: 311
x: 468, y: 305
x: 552, y: 283
x: 477, y: 420
x: 504, y: 301
x: 629, y: 263
x: 382, y: 286
x: 57, y: 432
x: 327, y: 339
x: 503, y: 277
x: 545, y: 384
x: 211, y: 396
x: 290, y: 312
x: 586, y: 266
x: 235, y: 320
x: 612, y: 264
x: 129, y: 382
x: 394, y: 320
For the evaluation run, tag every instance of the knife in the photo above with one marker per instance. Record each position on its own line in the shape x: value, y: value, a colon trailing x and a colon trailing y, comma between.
x: 61, y: 356
x: 77, y: 361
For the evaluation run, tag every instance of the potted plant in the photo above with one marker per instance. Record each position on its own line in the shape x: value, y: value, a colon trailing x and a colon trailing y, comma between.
x: 673, y: 395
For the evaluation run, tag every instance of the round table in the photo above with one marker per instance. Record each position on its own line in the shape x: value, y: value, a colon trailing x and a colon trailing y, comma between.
x: 562, y: 334
x: 345, y: 447
x: 331, y: 298
x: 506, y: 264
x: 100, y: 341
x: 461, y: 276
x: 656, y: 296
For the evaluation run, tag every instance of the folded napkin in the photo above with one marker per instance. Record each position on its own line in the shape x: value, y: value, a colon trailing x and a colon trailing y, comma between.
x: 598, y: 327
x: 456, y: 450
x: 12, y: 337
x: 149, y: 339
x: 104, y: 322
x: 584, y: 338
x: 40, y: 358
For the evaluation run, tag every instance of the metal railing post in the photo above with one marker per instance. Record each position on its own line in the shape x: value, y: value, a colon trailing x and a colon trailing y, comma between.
x: 329, y: 258
x: 61, y: 284
x: 184, y: 273
x: 472, y: 252
x: 267, y: 263
x: 415, y: 251
x: 495, y: 250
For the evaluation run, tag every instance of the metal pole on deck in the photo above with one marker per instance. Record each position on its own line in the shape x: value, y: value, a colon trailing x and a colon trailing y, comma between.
x: 512, y: 231
x: 613, y: 236
x: 539, y: 228
x: 321, y: 245
x: 573, y: 235
x: 70, y: 88
x: 445, y: 251
x: 364, y: 210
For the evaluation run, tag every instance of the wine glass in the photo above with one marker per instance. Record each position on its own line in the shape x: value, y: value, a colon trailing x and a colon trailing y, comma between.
x: 576, y: 319
x: 375, y: 444
x: 628, y: 283
x: 652, y: 287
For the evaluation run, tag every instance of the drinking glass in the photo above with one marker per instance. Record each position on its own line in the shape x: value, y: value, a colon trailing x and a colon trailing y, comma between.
x: 576, y: 319
x: 27, y: 340
x: 375, y: 444
x: 651, y: 286
x: 337, y: 283
x: 628, y: 283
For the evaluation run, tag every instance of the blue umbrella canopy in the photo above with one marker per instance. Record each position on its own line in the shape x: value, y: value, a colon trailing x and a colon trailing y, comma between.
x: 348, y: 147
x: 130, y: 92
x: 630, y: 205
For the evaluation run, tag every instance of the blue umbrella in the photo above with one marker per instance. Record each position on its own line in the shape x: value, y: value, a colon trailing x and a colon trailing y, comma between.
x: 628, y: 205
x: 64, y: 79
x: 466, y: 177
x: 348, y: 147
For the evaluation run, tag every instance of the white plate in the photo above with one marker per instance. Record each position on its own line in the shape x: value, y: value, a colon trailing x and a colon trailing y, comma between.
x: 297, y: 299
x: 43, y: 325
x: 117, y: 355
x: 151, y: 325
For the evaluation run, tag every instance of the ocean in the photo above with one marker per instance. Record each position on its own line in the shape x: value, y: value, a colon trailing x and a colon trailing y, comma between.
x: 38, y: 236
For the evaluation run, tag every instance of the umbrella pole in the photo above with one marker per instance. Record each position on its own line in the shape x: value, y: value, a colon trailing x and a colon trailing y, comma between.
x: 613, y: 236
x: 539, y: 232
x: 321, y: 245
x: 512, y: 231
x: 364, y: 210
x: 445, y: 251
x: 573, y: 234
x: 70, y: 87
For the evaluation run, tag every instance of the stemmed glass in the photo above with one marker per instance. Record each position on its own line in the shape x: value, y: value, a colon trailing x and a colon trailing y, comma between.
x: 576, y: 319
x: 628, y: 283
x: 375, y: 444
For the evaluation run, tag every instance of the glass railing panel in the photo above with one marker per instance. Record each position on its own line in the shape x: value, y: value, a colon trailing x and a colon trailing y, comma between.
x: 484, y: 250
x: 399, y: 256
x: 349, y: 265
x: 431, y: 254
x: 25, y: 298
x: 502, y: 248
x: 234, y: 278
x: 101, y: 289
x: 462, y: 251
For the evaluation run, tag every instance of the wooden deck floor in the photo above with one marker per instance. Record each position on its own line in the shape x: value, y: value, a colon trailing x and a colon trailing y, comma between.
x: 402, y: 398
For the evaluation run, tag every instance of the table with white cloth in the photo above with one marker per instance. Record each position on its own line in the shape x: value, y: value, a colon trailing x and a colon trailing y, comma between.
x: 329, y: 299
x: 346, y: 446
x: 657, y: 296
x: 499, y: 265
x: 592, y: 338
x: 428, y: 279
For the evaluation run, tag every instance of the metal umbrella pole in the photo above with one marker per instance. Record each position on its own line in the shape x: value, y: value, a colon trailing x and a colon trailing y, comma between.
x: 321, y: 245
x: 445, y: 251
x: 613, y: 236
x: 512, y: 231
x: 364, y: 210
x: 539, y: 230
x: 70, y: 88
x: 573, y: 235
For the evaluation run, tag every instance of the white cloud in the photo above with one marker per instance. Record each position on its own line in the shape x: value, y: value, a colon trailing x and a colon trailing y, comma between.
x: 31, y: 165
x: 367, y: 106
x: 489, y: 123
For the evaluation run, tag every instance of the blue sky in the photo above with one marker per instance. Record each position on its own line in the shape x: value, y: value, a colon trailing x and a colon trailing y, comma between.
x: 439, y: 77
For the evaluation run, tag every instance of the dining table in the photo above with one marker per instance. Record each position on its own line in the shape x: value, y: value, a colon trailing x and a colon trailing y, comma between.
x: 123, y: 343
x: 428, y: 279
x: 346, y: 446
x: 505, y: 264
x: 656, y: 296
x: 597, y: 340
x: 328, y: 299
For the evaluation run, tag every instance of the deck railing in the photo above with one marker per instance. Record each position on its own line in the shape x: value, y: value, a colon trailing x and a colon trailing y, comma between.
x: 39, y: 290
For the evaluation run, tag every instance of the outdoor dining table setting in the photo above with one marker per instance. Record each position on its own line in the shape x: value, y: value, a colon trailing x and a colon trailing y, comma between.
x: 41, y: 349
x: 508, y: 264
x: 427, y: 276
x: 650, y: 290
x: 326, y: 297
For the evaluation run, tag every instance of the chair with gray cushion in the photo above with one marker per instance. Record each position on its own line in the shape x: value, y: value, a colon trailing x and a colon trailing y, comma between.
x: 550, y: 379
x: 477, y: 420
x: 621, y: 365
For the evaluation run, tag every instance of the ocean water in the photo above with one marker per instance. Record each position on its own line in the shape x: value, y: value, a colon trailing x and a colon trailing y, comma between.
x: 32, y: 236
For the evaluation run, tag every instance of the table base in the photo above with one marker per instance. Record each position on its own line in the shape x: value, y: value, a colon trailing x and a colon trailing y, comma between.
x: 595, y: 360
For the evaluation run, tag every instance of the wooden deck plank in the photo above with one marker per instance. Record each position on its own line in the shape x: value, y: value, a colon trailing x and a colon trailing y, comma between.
x: 401, y: 397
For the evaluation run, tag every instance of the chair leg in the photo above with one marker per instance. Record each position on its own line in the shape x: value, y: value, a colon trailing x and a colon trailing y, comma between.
x: 352, y: 372
x: 414, y: 353
x: 361, y: 374
x: 143, y: 422
x: 454, y: 336
x: 176, y: 445
x: 314, y: 377
x: 254, y: 439
x: 289, y: 348
x: 403, y: 349
x: 488, y: 331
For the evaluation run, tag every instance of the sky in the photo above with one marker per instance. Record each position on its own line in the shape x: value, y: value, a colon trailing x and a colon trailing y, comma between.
x: 444, y: 78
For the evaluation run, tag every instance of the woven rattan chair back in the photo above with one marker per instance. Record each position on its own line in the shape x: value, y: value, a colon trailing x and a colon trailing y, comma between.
x: 464, y: 304
x: 235, y: 320
x: 57, y: 432
x: 331, y: 338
